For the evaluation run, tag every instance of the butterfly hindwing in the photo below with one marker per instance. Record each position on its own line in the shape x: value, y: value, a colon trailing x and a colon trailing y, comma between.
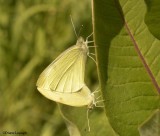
x: 80, y: 98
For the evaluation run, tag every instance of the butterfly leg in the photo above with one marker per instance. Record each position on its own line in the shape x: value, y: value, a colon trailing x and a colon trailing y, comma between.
x: 89, y: 36
x: 90, y: 42
x: 99, y: 106
x: 98, y: 97
x: 88, y: 123
x: 99, y: 101
x: 95, y: 103
x: 92, y: 59
x: 92, y: 54
x: 96, y: 91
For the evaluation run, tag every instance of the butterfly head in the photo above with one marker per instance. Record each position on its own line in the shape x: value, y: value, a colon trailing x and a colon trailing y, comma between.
x: 92, y: 103
x: 82, y: 44
x: 80, y: 40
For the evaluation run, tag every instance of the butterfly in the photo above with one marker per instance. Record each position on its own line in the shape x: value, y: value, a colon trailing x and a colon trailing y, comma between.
x: 66, y: 73
x: 63, y: 80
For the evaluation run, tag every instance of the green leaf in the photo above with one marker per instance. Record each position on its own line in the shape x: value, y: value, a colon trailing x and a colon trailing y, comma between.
x: 152, y: 17
x: 77, y: 121
x: 151, y: 127
x: 128, y: 56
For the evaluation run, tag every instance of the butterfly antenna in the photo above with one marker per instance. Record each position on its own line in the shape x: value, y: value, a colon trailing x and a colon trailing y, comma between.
x: 73, y: 27
x: 80, y: 30
x: 89, y: 129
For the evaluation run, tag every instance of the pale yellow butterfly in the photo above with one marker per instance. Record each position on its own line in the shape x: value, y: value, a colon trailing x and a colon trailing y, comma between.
x: 66, y: 73
x: 65, y: 76
x: 81, y: 98
x: 63, y: 80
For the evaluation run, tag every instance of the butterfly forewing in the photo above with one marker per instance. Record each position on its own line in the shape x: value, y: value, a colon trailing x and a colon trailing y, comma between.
x: 76, y: 73
x: 66, y: 73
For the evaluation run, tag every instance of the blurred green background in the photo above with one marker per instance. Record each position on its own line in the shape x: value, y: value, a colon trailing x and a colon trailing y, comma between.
x: 32, y: 35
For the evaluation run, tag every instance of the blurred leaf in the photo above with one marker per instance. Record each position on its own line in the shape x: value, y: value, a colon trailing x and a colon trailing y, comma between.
x: 40, y: 43
x: 151, y: 127
x: 22, y: 18
x: 53, y: 124
x: 128, y: 57
x: 33, y: 33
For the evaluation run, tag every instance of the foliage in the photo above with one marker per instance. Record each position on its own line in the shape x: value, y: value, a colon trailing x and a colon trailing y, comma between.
x: 128, y: 55
x: 32, y: 34
x: 128, y: 58
x: 126, y: 33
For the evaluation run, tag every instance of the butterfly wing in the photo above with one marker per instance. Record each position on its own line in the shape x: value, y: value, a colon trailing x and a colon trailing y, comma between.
x: 66, y: 73
x: 81, y: 98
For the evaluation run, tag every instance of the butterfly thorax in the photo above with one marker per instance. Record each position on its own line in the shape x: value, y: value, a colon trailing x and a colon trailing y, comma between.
x: 82, y: 44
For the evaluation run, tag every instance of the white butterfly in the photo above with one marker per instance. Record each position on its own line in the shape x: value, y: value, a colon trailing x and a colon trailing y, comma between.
x: 63, y: 80
x: 66, y: 73
x: 81, y: 98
